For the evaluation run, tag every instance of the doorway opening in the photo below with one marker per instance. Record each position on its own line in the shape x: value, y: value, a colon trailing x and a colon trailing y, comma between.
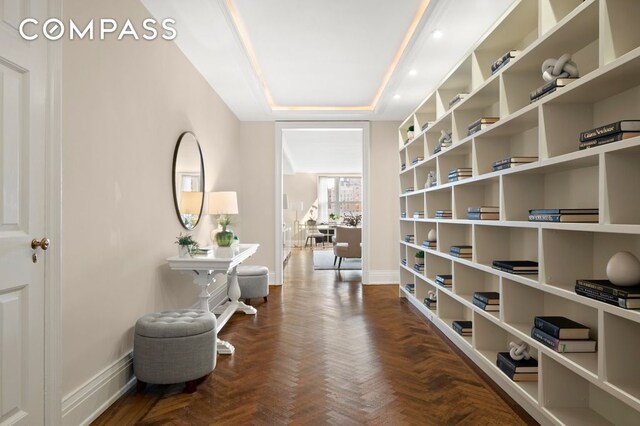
x: 322, y: 194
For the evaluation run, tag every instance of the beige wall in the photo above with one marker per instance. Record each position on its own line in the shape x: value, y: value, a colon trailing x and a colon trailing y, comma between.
x: 124, y: 105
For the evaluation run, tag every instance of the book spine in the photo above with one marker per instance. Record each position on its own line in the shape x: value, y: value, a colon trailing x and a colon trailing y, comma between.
x: 601, y: 297
x: 506, y: 368
x: 499, y: 64
x: 544, y: 218
x: 601, y: 141
x: 600, y: 131
x: 502, y: 167
x: 542, y: 95
x: 479, y: 303
x: 541, y: 337
x: 614, y: 291
x: 482, y: 298
x: 543, y: 89
x: 547, y: 327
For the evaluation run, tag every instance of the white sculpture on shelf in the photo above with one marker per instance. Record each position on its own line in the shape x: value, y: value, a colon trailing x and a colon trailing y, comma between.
x: 432, y: 295
x: 431, y: 235
x: 559, y: 68
x: 623, y: 269
x: 431, y: 180
x: 519, y: 351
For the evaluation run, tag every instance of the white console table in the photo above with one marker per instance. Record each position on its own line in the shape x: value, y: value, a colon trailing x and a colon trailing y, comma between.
x: 204, y: 269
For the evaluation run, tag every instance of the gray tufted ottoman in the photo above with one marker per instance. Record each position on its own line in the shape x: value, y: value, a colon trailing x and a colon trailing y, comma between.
x: 174, y: 346
x: 253, y: 281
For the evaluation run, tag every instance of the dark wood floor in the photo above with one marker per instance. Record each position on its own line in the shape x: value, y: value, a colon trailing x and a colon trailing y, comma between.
x: 326, y: 350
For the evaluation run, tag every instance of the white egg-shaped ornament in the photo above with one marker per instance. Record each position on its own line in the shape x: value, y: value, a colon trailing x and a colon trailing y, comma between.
x: 431, y: 236
x: 623, y: 269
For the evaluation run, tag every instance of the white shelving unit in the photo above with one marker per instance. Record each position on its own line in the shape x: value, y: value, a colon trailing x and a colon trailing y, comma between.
x: 604, y: 39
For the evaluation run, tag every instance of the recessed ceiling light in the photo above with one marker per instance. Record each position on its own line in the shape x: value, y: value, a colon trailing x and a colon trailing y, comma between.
x: 413, y: 72
x: 396, y: 96
x: 437, y: 34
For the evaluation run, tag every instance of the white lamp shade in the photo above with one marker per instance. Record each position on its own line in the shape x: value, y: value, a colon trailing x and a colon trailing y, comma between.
x: 224, y: 202
x: 190, y: 202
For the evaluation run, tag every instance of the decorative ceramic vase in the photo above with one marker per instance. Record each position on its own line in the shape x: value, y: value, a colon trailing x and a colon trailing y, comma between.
x: 410, y: 134
x: 224, y: 238
x: 183, y: 251
x: 623, y: 269
x: 431, y: 236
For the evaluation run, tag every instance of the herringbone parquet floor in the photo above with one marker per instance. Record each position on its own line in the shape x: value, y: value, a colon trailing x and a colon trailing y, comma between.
x: 326, y: 350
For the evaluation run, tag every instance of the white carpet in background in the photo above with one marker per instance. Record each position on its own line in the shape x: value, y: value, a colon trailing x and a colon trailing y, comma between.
x: 323, y: 259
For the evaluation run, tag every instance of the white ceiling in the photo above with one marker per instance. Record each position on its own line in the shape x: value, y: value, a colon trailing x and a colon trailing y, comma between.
x: 330, y: 53
x: 322, y: 151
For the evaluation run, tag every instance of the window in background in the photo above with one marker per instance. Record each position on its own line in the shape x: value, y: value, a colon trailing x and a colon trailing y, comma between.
x: 339, y: 195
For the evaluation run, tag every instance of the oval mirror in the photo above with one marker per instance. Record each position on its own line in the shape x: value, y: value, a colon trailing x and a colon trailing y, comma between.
x: 188, y: 180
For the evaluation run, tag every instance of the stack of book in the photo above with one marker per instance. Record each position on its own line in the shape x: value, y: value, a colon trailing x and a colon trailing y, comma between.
x: 430, y: 303
x: 444, y: 141
x: 487, y: 300
x: 426, y: 125
x: 417, y: 160
x: 518, y: 267
x: 459, y: 174
x: 403, y: 166
x: 204, y: 251
x: 550, y: 87
x: 404, y: 262
x: 403, y: 215
x: 457, y: 98
x: 481, y: 124
x: 443, y: 214
x: 409, y: 238
x: 483, y: 213
x: 408, y: 189
x: 613, y: 132
x: 562, y: 334
x: 418, y: 214
x: 429, y: 244
x: 463, y: 252
x: 524, y: 370
x: 504, y: 60
x: 605, y: 291
x: 507, y: 163
x: 463, y: 328
x: 419, y: 265
x: 564, y: 215
x: 410, y: 287
x: 444, y: 280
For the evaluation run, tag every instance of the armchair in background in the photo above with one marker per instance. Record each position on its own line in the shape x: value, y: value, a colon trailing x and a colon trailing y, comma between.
x: 348, y: 244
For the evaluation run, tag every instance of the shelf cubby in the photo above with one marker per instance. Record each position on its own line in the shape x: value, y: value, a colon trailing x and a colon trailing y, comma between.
x: 438, y: 200
x: 517, y: 31
x: 436, y: 265
x: 505, y: 243
x: 573, y: 400
x: 406, y: 277
x: 450, y: 310
x: 475, y: 194
x: 456, y: 157
x: 423, y: 288
x: 423, y: 170
x: 515, y: 138
x: 459, y: 81
x: 553, y: 11
x: 406, y: 228
x: 451, y: 234
x: 415, y: 203
x: 425, y: 113
x: 489, y: 339
x: 415, y: 149
x: 574, y: 255
x: 434, y: 132
x: 622, y: 200
x: 467, y: 280
x: 407, y: 181
x: 523, y: 303
x: 569, y: 185
x: 620, y: 31
x: 403, y: 206
x: 621, y: 368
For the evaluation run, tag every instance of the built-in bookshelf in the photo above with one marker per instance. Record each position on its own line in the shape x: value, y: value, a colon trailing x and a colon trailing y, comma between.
x: 603, y: 38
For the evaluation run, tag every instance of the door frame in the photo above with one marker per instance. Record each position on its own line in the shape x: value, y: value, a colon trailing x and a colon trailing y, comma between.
x: 53, y: 230
x: 366, y: 140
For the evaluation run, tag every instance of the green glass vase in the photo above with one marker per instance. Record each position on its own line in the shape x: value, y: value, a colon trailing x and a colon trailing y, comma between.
x: 224, y: 238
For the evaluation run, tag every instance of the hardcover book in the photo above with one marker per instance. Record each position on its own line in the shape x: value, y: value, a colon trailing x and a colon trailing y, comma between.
x: 621, y: 302
x: 563, y: 346
x: 457, y: 98
x: 516, y: 265
x: 483, y: 216
x: 576, y: 218
x: 558, y: 82
x: 483, y: 209
x: 607, y: 139
x: 504, y: 60
x: 485, y: 306
x: 515, y: 376
x: 564, y: 211
x: 463, y: 325
x: 561, y: 327
x: 611, y: 128
x: 461, y: 249
x: 542, y: 95
x: 606, y: 286
x: 520, y: 366
x: 483, y: 120
x: 515, y: 160
x: 488, y: 297
x: 477, y: 128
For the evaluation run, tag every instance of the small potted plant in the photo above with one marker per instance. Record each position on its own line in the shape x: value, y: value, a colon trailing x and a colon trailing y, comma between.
x: 187, y: 246
x: 419, y: 258
x: 350, y: 219
x: 312, y: 218
x: 410, y: 132
x: 334, y: 217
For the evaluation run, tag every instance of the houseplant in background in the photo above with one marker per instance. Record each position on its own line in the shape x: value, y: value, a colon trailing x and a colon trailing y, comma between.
x: 312, y: 216
x: 349, y: 219
x: 410, y: 132
x: 334, y: 217
x: 187, y: 246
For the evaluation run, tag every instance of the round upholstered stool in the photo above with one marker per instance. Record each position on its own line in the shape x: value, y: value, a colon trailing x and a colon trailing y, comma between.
x: 174, y: 346
x: 253, y: 281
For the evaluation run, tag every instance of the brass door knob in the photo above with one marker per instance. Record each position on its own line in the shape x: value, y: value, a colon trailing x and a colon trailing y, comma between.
x: 43, y: 243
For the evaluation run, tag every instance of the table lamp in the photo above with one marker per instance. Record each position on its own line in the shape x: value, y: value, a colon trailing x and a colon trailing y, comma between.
x: 223, y: 204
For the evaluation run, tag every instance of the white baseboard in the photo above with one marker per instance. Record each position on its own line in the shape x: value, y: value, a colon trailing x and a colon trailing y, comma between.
x: 381, y: 276
x: 86, y: 403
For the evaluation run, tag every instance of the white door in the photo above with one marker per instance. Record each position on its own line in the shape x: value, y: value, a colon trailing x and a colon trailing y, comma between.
x: 23, y: 100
